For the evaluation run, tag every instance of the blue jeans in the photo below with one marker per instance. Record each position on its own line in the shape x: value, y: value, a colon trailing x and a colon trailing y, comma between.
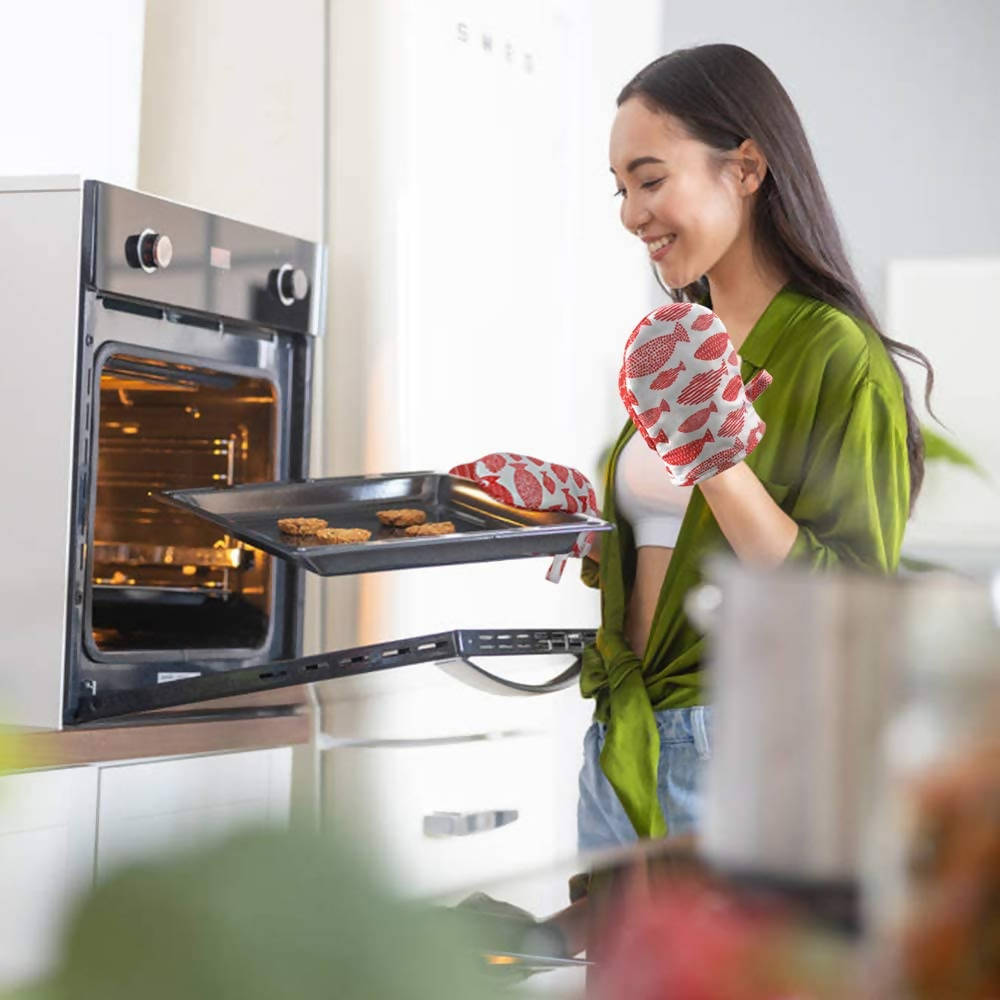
x: 685, y: 746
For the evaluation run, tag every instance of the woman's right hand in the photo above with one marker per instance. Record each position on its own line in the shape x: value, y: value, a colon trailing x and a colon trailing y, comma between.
x: 531, y: 484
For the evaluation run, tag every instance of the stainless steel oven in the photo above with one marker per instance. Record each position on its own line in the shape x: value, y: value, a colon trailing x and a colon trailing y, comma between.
x: 157, y: 352
x: 151, y: 346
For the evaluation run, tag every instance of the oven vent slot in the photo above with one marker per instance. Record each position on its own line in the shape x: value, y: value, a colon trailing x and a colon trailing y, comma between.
x: 193, y: 319
x: 130, y: 306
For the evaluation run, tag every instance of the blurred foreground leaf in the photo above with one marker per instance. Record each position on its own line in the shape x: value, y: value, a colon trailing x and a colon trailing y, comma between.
x: 260, y: 916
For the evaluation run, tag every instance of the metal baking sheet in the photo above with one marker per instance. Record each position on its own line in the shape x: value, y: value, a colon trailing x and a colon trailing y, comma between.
x: 485, y: 530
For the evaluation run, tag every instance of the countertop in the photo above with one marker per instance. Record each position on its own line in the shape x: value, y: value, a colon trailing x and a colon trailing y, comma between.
x: 257, y: 721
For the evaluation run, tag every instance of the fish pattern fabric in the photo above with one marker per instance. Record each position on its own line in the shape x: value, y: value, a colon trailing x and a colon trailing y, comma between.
x: 681, y: 385
x: 531, y: 484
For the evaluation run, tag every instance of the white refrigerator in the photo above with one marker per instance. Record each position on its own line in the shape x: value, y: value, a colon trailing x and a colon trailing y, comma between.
x: 482, y: 288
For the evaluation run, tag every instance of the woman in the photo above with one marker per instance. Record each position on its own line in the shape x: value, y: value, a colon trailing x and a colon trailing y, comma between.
x: 717, y: 178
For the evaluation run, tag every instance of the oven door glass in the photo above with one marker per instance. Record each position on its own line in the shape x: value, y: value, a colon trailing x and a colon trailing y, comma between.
x: 162, y: 579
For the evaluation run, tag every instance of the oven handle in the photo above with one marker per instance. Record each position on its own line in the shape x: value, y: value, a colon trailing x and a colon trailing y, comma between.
x: 469, y: 673
x: 515, y: 642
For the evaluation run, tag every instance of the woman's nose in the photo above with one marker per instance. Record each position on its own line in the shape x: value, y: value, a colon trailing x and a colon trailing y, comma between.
x: 633, y: 218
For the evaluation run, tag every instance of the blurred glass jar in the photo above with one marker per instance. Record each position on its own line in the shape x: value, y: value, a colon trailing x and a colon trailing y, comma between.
x: 931, y: 882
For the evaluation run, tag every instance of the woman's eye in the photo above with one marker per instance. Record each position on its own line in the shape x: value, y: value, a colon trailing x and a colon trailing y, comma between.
x: 647, y: 186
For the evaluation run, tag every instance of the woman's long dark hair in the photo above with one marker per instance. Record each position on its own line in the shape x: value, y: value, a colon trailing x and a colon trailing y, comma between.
x: 724, y: 94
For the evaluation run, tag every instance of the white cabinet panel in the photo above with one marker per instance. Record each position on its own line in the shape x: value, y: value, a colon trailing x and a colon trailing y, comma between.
x: 76, y: 71
x: 423, y: 701
x: 382, y: 794
x: 47, y: 827
x: 148, y: 808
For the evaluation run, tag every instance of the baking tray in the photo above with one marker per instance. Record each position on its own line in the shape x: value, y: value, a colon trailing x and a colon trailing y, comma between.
x: 485, y: 529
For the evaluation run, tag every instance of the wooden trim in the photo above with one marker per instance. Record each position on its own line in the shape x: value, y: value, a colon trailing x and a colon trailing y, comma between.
x: 96, y: 744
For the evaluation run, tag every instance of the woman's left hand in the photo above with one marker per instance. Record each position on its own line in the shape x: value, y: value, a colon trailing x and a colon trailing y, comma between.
x: 680, y: 382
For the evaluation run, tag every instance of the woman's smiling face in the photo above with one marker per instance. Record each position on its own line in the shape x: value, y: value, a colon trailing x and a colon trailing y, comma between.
x: 676, y: 196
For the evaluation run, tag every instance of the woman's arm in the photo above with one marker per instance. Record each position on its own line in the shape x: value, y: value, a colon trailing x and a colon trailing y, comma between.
x: 755, y: 526
x: 852, y: 499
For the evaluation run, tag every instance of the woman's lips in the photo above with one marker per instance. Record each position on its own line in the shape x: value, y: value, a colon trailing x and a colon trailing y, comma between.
x: 658, y: 249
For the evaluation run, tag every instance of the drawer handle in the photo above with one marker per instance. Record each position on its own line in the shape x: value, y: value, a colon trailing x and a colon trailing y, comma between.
x: 451, y: 824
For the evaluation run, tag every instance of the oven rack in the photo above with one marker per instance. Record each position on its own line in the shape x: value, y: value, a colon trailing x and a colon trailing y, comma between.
x: 450, y: 650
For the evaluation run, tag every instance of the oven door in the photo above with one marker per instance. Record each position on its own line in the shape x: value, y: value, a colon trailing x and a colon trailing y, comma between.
x: 174, y: 401
x: 452, y: 651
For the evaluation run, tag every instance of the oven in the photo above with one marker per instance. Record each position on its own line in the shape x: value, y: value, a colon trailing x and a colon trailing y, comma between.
x: 158, y: 358
x: 154, y: 346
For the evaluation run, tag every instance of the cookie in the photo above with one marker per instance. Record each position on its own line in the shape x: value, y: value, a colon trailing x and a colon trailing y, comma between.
x: 433, y: 528
x: 343, y: 536
x: 301, y: 525
x: 402, y: 518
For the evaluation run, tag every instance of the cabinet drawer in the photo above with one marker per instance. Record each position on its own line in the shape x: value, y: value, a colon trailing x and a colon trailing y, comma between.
x: 391, y: 798
x: 147, y: 808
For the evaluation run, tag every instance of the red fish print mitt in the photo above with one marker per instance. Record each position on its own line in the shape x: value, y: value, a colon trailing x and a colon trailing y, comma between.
x: 531, y: 484
x: 680, y: 382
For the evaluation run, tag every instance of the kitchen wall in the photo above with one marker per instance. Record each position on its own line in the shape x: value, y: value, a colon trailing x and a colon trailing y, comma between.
x: 899, y: 100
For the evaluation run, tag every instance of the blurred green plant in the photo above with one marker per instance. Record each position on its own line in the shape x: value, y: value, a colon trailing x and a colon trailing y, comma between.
x: 938, y: 448
x: 262, y: 915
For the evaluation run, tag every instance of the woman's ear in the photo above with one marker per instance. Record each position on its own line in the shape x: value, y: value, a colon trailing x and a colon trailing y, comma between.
x: 752, y: 166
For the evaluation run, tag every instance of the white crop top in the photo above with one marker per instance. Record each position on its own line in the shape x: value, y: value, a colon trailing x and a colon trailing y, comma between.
x: 646, y: 498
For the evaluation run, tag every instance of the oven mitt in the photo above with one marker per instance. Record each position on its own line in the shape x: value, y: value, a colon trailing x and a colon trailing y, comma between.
x: 531, y: 484
x: 680, y: 382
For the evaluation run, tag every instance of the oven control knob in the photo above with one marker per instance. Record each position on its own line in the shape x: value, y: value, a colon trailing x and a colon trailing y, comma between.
x: 149, y: 250
x: 290, y: 284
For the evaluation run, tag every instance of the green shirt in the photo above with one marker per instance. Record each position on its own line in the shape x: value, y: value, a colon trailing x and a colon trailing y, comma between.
x: 833, y: 457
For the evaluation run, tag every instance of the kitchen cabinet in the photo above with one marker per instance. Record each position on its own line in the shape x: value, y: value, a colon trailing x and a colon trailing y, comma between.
x: 48, y: 828
x: 64, y: 827
x: 435, y: 816
x: 436, y: 746
x: 164, y: 805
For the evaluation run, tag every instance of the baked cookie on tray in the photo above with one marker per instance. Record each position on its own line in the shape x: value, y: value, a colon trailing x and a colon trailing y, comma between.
x: 431, y: 528
x: 343, y: 536
x: 404, y: 517
x: 301, y: 525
